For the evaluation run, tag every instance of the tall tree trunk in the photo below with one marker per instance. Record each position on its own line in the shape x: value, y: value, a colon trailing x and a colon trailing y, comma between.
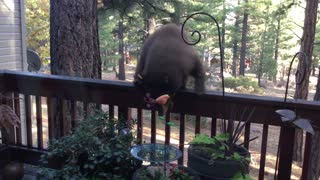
x: 177, y: 12
x: 306, y: 47
x: 145, y: 26
x: 244, y: 40
x: 152, y: 24
x: 122, y: 75
x: 276, y: 49
x: 127, y: 53
x: 74, y: 49
x: 235, y: 44
x: 223, y: 30
x: 74, y: 39
x: 262, y: 55
x: 314, y: 66
x: 314, y: 163
x: 317, y: 95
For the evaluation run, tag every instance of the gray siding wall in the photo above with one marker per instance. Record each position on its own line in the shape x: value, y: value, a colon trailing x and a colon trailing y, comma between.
x: 12, y: 35
x: 13, y: 44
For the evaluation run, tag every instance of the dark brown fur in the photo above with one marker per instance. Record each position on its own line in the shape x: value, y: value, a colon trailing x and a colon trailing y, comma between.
x: 166, y: 62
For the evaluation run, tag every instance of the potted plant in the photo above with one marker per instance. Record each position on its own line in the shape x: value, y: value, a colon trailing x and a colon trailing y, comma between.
x: 170, y: 172
x: 99, y: 148
x: 221, y: 156
x: 8, y: 122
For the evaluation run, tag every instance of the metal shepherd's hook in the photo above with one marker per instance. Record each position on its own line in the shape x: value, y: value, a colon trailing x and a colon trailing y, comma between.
x: 199, y: 38
x: 297, y: 73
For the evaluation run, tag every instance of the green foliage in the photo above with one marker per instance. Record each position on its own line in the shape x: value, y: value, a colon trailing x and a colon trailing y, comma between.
x: 37, y: 23
x: 96, y: 148
x: 240, y: 176
x: 202, y: 139
x: 108, y: 39
x: 224, y: 147
x: 173, y: 172
x: 218, y: 147
x: 264, y: 17
x: 316, y: 48
x: 242, y: 83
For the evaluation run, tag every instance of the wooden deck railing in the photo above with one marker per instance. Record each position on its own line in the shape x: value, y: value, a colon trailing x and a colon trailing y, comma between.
x: 124, y: 96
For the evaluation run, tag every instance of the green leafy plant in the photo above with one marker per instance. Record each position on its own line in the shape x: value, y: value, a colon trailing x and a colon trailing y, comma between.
x: 226, y: 146
x: 203, y: 139
x: 99, y: 148
x: 240, y: 176
x: 173, y: 172
x: 217, y: 148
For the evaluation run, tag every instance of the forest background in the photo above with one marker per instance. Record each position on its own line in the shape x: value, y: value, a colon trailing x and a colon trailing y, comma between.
x: 259, y: 39
x: 259, y: 46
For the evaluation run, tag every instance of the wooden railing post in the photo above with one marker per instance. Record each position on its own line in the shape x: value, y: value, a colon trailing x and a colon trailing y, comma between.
x: 140, y: 125
x: 55, y: 117
x: 17, y: 111
x: 306, y: 159
x: 286, y: 152
x: 27, y: 101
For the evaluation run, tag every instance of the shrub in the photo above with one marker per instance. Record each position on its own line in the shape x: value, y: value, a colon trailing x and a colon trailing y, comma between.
x: 99, y: 148
x: 242, y: 84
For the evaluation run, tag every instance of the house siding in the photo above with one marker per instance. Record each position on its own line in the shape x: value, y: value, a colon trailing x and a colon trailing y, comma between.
x: 12, y: 35
x: 13, y: 45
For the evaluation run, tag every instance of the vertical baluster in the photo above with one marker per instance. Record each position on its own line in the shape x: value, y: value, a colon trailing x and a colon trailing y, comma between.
x: 247, y: 135
x: 50, y: 118
x: 17, y: 111
x: 197, y: 128
x: 167, y: 128
x: 153, y: 126
x: 213, y: 126
x: 286, y: 152
x: 27, y: 101
x: 86, y: 109
x: 306, y: 159
x: 73, y: 113
x: 263, y: 150
x: 8, y: 100
x: 140, y: 125
x: 1, y: 98
x: 123, y: 113
x: 39, y: 122
x: 181, y: 138
x: 111, y: 111
x: 61, y: 124
x: 55, y: 120
x: 99, y: 106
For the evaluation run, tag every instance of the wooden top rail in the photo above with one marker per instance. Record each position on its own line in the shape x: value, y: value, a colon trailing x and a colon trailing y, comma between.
x: 210, y: 104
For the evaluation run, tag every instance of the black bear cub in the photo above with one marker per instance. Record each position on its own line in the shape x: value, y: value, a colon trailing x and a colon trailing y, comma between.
x: 165, y: 63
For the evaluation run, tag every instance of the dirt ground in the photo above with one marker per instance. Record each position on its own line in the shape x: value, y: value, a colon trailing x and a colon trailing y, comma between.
x: 270, y: 89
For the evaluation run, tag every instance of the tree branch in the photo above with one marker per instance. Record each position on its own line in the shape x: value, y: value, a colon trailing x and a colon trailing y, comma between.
x: 156, y: 7
x: 297, y: 24
x: 295, y: 34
